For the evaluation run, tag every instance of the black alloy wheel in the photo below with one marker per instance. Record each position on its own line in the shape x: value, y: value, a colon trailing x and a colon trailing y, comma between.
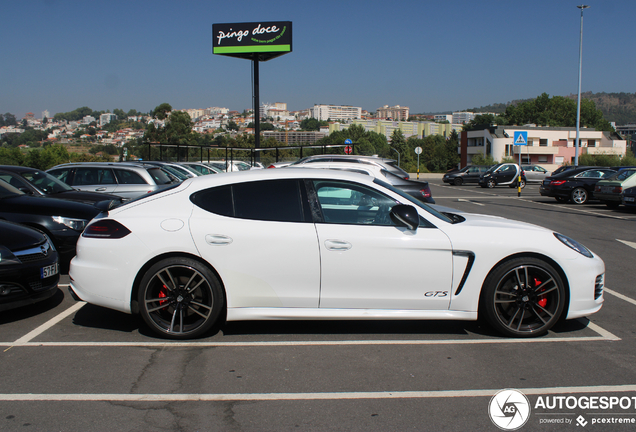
x: 458, y: 181
x: 523, y: 297
x: 180, y: 298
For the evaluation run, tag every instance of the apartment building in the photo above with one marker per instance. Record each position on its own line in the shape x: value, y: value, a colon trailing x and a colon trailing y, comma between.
x: 294, y: 137
x: 106, y: 118
x: 335, y: 112
x: 396, y: 113
x: 409, y: 129
x: 549, y: 147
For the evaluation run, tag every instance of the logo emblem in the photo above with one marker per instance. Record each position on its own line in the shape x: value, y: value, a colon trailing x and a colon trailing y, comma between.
x: 509, y: 409
x: 44, y: 249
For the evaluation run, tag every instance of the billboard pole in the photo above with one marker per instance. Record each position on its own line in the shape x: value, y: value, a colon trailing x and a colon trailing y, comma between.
x: 257, y: 114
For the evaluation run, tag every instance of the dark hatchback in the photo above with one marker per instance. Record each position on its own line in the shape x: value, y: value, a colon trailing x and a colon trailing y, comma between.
x: 575, y: 184
x: 29, y: 268
x: 35, y: 182
x: 63, y: 221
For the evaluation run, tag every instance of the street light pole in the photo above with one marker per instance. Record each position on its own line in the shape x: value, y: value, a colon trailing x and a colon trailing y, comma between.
x: 577, y: 144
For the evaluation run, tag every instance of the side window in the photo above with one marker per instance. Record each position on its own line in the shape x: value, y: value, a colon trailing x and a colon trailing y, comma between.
x: 273, y: 200
x: 13, y: 181
x: 350, y: 203
x: 106, y: 176
x: 85, y: 176
x: 61, y: 174
x: 128, y: 177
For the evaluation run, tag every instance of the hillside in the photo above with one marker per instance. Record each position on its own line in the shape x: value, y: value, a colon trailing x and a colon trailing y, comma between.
x: 616, y: 107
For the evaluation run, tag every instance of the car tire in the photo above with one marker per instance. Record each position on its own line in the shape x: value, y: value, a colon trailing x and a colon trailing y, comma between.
x: 458, y: 181
x: 579, y: 195
x: 561, y: 199
x: 612, y: 204
x: 193, y: 298
x: 520, y: 309
x: 491, y: 183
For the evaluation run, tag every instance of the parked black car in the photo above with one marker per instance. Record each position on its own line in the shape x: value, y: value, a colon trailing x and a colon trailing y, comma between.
x: 63, y: 221
x: 468, y: 174
x: 575, y: 184
x: 628, y: 197
x: 503, y: 174
x: 35, y: 182
x: 29, y: 268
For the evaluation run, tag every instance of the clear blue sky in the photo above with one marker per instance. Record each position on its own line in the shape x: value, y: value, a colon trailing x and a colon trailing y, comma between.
x: 431, y: 56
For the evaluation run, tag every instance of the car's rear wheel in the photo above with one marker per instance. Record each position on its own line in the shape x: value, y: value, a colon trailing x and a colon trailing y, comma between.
x: 579, y: 195
x: 523, y: 297
x: 612, y: 204
x: 180, y: 298
x: 457, y: 181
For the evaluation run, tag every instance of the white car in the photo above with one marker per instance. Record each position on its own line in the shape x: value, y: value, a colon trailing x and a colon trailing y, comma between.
x: 324, y: 245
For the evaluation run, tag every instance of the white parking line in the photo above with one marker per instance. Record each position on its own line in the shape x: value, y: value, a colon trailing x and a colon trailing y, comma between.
x: 47, y: 325
x: 126, y: 397
x: 619, y: 295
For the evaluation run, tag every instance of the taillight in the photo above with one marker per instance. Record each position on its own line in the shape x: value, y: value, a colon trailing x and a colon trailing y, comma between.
x: 557, y: 182
x: 426, y: 192
x: 106, y: 228
x: 271, y: 166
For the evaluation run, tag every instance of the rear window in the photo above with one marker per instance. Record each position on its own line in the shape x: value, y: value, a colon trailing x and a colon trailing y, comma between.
x: 159, y: 176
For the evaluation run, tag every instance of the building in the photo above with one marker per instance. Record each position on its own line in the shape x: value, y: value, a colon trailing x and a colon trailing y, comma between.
x: 396, y: 113
x: 335, y: 112
x: 89, y: 119
x: 294, y: 137
x: 443, y: 117
x: 46, y: 114
x: 462, y: 117
x: 409, y: 129
x: 106, y: 118
x: 549, y: 147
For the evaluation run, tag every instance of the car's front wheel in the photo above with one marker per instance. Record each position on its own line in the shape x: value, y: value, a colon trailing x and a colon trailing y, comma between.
x: 491, y: 183
x: 523, y: 297
x: 180, y: 298
x: 457, y: 181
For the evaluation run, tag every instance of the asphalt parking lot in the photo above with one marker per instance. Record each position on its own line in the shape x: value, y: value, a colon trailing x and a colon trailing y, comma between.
x: 73, y: 366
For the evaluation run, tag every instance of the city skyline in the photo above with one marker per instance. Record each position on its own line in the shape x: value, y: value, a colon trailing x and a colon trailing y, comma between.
x: 429, y: 56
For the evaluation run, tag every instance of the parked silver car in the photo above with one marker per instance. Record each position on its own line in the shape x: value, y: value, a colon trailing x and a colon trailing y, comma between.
x: 126, y: 179
x: 535, y: 173
x: 387, y: 164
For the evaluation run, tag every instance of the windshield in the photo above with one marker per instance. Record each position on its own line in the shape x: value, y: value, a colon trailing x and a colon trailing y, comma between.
x: 6, y: 190
x: 415, y: 201
x: 46, y: 182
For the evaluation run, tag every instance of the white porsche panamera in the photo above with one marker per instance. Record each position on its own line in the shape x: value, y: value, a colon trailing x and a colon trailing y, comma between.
x: 322, y: 244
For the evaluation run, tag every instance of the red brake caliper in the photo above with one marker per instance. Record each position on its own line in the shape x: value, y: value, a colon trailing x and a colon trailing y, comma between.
x: 542, y: 300
x: 162, y: 294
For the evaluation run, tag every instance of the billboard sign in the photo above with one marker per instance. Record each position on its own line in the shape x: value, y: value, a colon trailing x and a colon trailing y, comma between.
x: 245, y: 40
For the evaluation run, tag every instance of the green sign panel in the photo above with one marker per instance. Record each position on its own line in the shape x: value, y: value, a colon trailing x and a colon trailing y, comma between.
x: 246, y: 40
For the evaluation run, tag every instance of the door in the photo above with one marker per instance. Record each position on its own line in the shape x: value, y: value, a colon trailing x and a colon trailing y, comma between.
x: 260, y: 238
x: 369, y: 262
x: 505, y: 174
x: 94, y: 179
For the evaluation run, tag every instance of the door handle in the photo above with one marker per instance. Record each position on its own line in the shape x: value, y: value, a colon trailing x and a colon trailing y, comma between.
x: 337, y: 245
x: 217, y: 240
x: 101, y: 189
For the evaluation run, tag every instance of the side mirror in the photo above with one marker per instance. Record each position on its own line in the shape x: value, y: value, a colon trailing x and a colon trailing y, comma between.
x: 406, y: 216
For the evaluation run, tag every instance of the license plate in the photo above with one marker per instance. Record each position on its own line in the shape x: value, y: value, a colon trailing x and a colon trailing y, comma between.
x: 49, y: 271
x: 607, y: 189
x: 629, y: 199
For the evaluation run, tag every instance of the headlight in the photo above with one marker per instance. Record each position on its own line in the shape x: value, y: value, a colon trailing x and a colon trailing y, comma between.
x: 74, y: 224
x: 573, y: 244
x: 7, y: 257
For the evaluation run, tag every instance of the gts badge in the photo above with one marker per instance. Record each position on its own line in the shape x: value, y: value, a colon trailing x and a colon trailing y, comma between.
x: 436, y: 294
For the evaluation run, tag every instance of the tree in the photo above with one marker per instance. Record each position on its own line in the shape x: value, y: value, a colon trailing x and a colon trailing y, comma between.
x: 232, y: 126
x: 161, y: 111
